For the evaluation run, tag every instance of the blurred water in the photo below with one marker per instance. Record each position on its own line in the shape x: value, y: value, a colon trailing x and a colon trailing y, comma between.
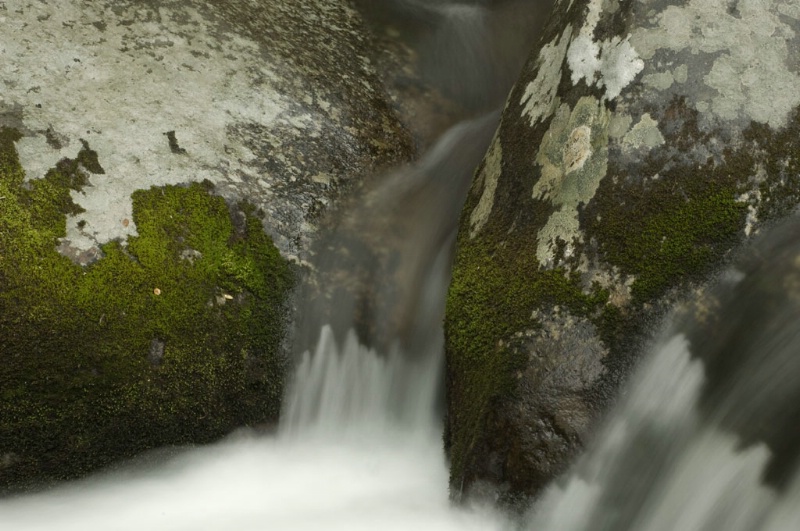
x: 386, y: 481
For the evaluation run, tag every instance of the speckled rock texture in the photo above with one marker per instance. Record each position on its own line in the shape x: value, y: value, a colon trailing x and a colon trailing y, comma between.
x: 275, y: 102
x: 161, y: 166
x: 645, y: 142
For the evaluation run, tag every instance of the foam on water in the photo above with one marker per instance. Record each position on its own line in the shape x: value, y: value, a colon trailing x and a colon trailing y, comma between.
x: 387, y: 481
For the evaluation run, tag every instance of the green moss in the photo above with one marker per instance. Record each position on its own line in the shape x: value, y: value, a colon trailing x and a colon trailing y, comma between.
x: 81, y: 385
x: 681, y: 232
x: 777, y: 153
x: 493, y: 293
x: 685, y: 216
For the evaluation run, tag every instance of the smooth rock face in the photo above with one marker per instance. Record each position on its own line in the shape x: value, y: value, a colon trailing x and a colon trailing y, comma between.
x: 273, y: 102
x: 644, y: 141
x: 138, y: 308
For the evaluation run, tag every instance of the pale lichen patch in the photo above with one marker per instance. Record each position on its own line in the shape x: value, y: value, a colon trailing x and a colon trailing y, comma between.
x: 681, y: 74
x: 573, y: 158
x: 612, y: 63
x: 644, y: 134
x: 619, y: 66
x: 539, y: 99
x: 619, y: 125
x: 489, y: 176
x: 659, y: 80
x: 749, y: 52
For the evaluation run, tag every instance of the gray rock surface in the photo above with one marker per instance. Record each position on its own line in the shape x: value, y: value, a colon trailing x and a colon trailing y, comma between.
x: 274, y: 102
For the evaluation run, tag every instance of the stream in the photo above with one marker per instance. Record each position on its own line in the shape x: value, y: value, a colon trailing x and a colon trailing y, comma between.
x: 359, y: 446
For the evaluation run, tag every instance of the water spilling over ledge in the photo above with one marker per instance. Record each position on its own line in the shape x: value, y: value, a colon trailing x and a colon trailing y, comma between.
x: 703, y: 437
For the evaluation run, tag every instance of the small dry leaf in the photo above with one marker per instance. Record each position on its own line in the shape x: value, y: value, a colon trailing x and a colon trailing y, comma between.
x: 125, y: 222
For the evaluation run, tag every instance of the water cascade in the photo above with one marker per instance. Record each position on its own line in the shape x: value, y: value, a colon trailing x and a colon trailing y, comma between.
x: 359, y: 447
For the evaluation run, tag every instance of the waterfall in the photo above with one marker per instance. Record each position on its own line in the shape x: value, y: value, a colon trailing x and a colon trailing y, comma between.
x: 703, y: 438
x: 359, y: 446
x: 342, y: 385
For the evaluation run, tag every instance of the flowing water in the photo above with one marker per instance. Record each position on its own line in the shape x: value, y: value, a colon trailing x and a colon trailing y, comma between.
x: 704, y: 438
x: 359, y: 446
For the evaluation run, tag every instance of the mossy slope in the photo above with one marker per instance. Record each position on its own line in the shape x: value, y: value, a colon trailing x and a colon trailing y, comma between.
x: 172, y: 339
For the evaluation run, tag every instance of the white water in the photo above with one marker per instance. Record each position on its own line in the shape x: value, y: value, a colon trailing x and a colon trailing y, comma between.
x: 387, y: 481
x: 360, y: 450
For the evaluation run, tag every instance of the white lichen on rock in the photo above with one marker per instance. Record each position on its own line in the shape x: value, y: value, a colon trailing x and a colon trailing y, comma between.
x: 664, y: 80
x: 745, y: 56
x: 644, y: 134
x: 121, y: 74
x: 573, y: 158
x: 612, y: 63
x: 539, y: 99
x: 619, y: 125
x: 88, y: 84
x: 489, y: 175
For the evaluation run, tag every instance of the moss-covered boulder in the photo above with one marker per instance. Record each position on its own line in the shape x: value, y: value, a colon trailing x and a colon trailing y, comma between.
x: 173, y: 338
x: 150, y: 155
x: 644, y: 141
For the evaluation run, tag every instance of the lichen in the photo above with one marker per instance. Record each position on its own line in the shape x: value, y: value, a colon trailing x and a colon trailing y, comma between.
x: 79, y: 389
x: 573, y: 156
x: 644, y: 134
x: 743, y: 57
x: 539, y: 99
x: 612, y: 63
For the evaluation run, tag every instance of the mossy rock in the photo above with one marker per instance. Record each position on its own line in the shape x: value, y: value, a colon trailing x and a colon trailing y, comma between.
x: 172, y: 337
x: 630, y: 164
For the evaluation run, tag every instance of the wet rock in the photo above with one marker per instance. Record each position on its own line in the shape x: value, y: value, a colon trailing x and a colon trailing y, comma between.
x: 643, y: 143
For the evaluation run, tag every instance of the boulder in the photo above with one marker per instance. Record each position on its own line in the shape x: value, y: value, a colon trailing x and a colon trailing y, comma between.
x: 161, y: 164
x: 644, y: 142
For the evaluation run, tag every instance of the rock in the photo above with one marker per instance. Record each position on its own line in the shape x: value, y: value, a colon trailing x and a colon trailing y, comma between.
x: 272, y: 102
x: 145, y: 148
x: 643, y: 143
